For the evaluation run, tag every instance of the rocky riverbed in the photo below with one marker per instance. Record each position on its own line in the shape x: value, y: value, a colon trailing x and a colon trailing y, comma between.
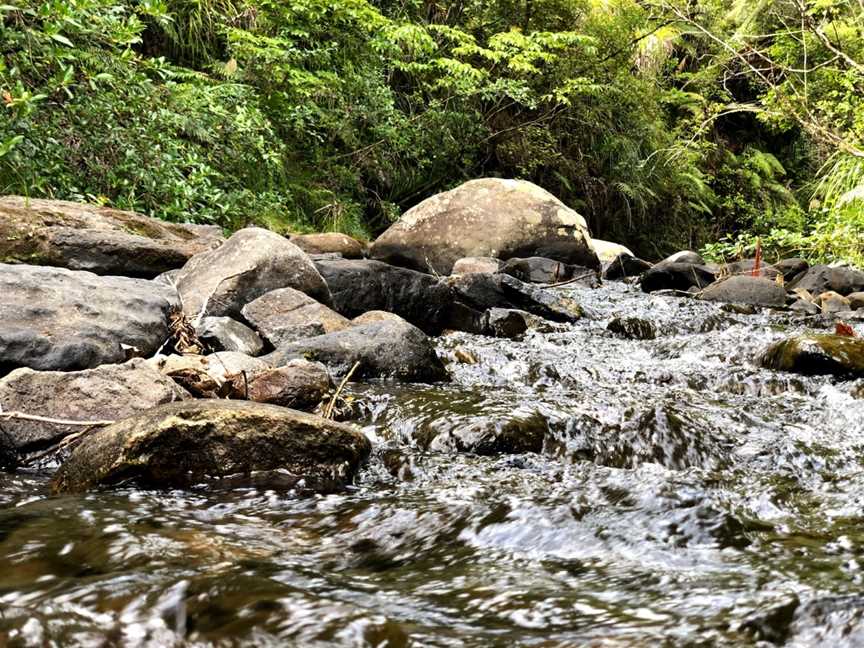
x: 525, y: 454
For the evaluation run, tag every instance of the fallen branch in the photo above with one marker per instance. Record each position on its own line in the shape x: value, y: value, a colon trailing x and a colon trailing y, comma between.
x: 328, y: 410
x: 570, y: 281
x: 54, y: 421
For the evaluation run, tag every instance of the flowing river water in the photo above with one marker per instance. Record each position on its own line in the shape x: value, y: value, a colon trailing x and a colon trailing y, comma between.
x: 573, y: 488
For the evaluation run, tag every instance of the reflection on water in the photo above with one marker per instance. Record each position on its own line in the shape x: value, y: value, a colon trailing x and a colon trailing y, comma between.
x: 570, y: 489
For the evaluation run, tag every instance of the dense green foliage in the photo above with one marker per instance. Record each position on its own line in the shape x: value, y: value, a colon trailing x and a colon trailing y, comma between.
x: 668, y: 125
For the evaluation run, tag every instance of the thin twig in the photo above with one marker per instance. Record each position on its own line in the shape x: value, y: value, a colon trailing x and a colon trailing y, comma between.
x: 570, y: 281
x: 53, y: 421
x: 328, y: 410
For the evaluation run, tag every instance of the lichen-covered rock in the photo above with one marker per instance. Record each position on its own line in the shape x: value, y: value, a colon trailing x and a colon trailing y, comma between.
x: 487, y: 265
x: 182, y: 444
x: 97, y: 239
x: 299, y: 384
x: 251, y: 263
x: 386, y: 349
x: 744, y: 289
x: 226, y: 334
x: 286, y: 315
x: 108, y: 392
x: 375, y: 316
x: 59, y: 319
x: 329, y: 243
x: 817, y: 355
x: 487, y: 217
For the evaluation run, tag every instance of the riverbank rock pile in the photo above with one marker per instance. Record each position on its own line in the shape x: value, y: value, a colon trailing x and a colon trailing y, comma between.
x: 192, y: 354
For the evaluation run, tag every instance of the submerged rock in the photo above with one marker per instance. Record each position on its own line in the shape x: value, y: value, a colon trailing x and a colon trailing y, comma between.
x: 108, y: 392
x: 744, y: 289
x: 226, y: 334
x: 517, y: 434
x: 632, y: 328
x: 385, y: 349
x: 676, y: 276
x: 625, y: 265
x: 329, y: 243
x: 101, y: 240
x: 816, y: 355
x: 286, y: 315
x: 58, y: 319
x: 182, y: 444
x: 299, y: 384
x: 486, y: 217
x: 251, y: 263
x: 506, y: 322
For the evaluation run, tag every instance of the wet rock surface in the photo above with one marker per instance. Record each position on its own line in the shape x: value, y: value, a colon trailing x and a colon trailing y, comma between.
x: 58, y: 319
x: 817, y: 355
x: 183, y: 443
x: 568, y: 487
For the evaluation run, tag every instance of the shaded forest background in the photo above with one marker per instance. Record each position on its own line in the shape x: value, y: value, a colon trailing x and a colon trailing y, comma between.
x: 671, y: 124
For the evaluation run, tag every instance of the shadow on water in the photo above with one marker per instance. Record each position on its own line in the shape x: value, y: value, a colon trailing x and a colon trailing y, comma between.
x: 573, y: 488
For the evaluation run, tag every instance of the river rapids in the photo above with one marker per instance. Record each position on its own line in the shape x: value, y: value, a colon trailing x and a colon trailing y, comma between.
x: 572, y: 488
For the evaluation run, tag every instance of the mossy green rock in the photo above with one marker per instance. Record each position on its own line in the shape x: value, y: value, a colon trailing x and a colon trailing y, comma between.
x: 817, y: 355
x: 182, y: 444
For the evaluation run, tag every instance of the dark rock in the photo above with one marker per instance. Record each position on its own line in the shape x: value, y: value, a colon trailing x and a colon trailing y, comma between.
x: 516, y: 434
x: 802, y: 306
x: 506, y: 323
x: 828, y: 621
x: 481, y: 292
x: 744, y: 289
x: 486, y: 217
x: 53, y: 318
x: 97, y: 239
x: 226, y: 334
x: 625, y: 265
x: 817, y: 355
x: 821, y: 278
x: 856, y: 300
x: 181, y: 444
x: 359, y: 286
x: 791, y: 268
x: 286, y: 315
x: 299, y: 384
x: 746, y: 267
x: 676, y: 276
x: 386, y: 349
x: 539, y: 270
x: 632, y: 328
x: 251, y: 263
x: 488, y: 265
x: 329, y: 243
x: 109, y: 392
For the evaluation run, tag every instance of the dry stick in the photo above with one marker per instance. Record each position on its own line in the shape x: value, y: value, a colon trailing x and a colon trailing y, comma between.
x: 328, y: 410
x: 570, y: 281
x: 65, y: 441
x: 55, y: 421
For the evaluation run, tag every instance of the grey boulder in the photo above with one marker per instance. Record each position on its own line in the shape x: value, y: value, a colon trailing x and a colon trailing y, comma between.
x: 329, y: 243
x: 54, y: 318
x: 226, y: 334
x: 744, y: 289
x: 821, y: 278
x: 286, y: 315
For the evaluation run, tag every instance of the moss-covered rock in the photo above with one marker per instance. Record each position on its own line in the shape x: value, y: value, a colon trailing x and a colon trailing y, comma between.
x: 183, y: 444
x: 817, y: 355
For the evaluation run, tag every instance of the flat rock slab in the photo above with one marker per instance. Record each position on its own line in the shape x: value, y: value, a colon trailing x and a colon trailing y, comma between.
x: 251, y: 263
x: 97, y: 239
x: 817, y: 355
x: 183, y: 444
x: 386, y: 349
x: 286, y: 315
x: 109, y: 392
x: 59, y: 319
x: 742, y: 289
x: 487, y: 217
x: 329, y: 243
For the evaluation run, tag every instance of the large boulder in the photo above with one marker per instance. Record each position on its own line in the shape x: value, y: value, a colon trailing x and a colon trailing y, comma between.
x: 744, y: 289
x: 182, y: 444
x: 821, y: 278
x: 817, y: 355
x: 329, y: 243
x: 676, y: 276
x: 251, y: 263
x: 98, y: 239
x: 286, y: 315
x: 54, y: 318
x: 487, y: 217
x: 226, y: 334
x: 108, y: 392
x: 385, y: 349
x: 359, y: 286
